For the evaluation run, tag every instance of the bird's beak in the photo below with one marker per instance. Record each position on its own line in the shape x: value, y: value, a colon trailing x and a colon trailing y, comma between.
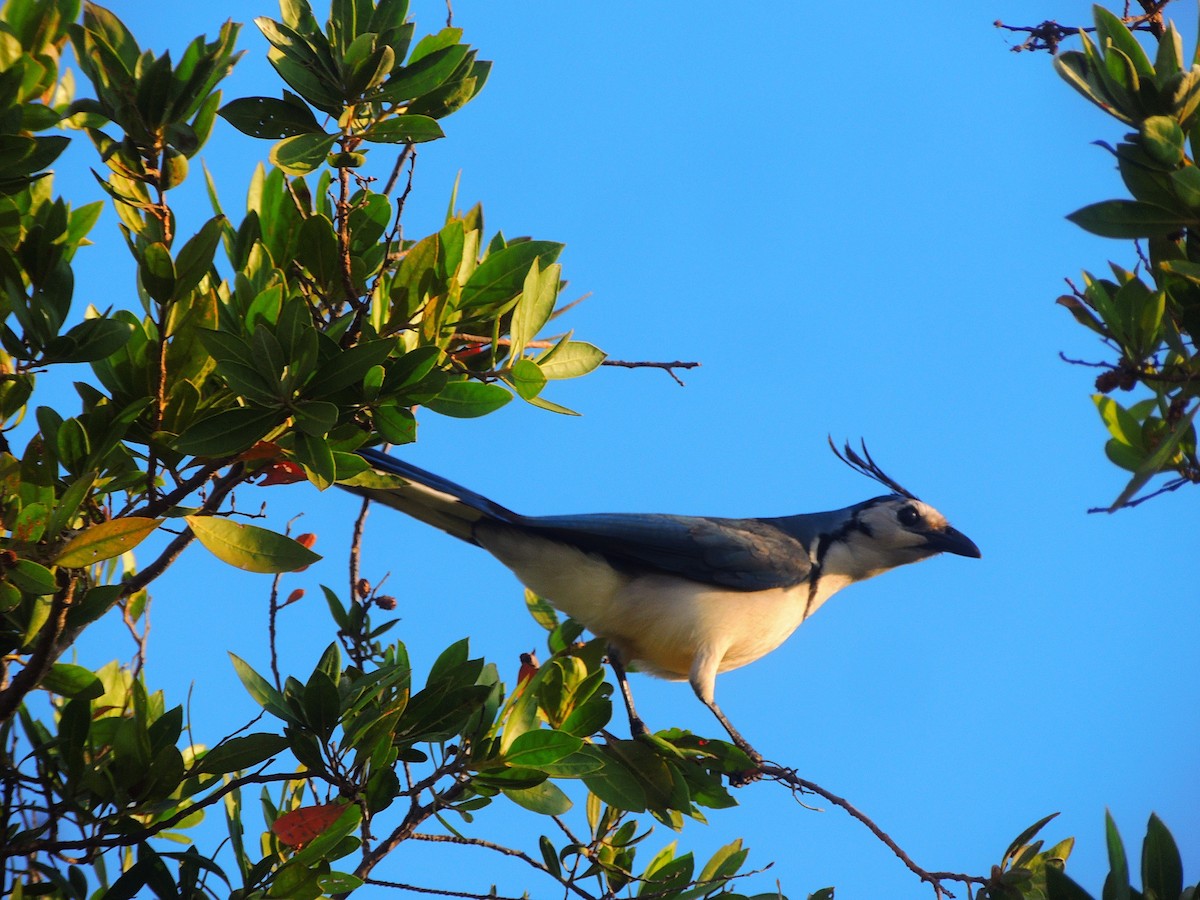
x: 951, y: 540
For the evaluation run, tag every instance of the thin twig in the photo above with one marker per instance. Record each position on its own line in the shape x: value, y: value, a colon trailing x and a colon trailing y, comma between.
x: 504, y: 851
x: 668, y: 367
x: 437, y: 891
x: 390, y: 185
x: 360, y: 524
x: 1167, y: 488
x: 934, y: 879
x: 272, y: 623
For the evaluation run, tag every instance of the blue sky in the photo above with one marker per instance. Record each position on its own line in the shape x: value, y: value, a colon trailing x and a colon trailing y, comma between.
x: 854, y: 221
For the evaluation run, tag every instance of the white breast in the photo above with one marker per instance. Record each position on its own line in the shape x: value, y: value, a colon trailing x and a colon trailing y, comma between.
x: 669, y: 626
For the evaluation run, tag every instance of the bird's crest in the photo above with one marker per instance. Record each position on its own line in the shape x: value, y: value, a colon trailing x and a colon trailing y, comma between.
x: 867, y: 466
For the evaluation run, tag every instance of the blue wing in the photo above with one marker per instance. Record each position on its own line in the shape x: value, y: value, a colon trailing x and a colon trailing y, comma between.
x: 743, y: 554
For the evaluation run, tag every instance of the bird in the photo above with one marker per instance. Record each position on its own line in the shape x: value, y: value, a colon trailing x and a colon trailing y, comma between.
x: 683, y: 597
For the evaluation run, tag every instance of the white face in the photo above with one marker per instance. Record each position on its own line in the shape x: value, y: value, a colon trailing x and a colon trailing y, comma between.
x: 900, y: 524
x: 890, y: 532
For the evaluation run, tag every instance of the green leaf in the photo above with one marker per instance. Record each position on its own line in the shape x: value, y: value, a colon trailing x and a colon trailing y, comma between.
x: 1127, y: 219
x: 32, y: 578
x: 104, y: 541
x: 1187, y: 186
x: 157, y: 272
x: 405, y: 130
x: 396, y: 424
x: 541, y: 610
x: 533, y: 310
x: 1163, y: 139
x: 261, y: 691
x: 250, y: 547
x: 546, y: 798
x: 229, y: 432
x: 69, y: 680
x: 1027, y: 835
x: 266, y: 117
x: 69, y: 503
x: 321, y: 704
x: 1156, y: 462
x: 1113, y: 32
x: 195, y: 258
x: 616, y: 785
x: 1059, y: 886
x: 334, y: 883
x: 316, y: 417
x: 527, y: 379
x: 535, y: 749
x: 469, y: 399
x: 1116, y: 886
x: 725, y: 862
x: 350, y: 367
x: 238, y: 753
x: 570, y: 359
x: 1162, y: 869
x: 543, y: 403
x: 431, y: 43
x: 1120, y: 424
x: 302, y: 153
x: 422, y: 76
x: 315, y: 454
x: 501, y: 276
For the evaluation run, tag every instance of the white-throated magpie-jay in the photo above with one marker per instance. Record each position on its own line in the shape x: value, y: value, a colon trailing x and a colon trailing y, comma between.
x: 684, y: 597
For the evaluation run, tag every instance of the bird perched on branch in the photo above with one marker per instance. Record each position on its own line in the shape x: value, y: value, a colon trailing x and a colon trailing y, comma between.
x: 684, y: 597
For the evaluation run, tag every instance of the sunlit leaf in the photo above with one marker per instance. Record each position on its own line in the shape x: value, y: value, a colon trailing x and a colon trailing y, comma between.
x: 104, y: 541
x: 468, y: 399
x: 302, y: 153
x: 250, y: 547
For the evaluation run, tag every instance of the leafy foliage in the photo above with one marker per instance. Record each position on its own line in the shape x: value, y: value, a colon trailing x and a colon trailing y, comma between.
x: 1149, y: 316
x: 274, y: 346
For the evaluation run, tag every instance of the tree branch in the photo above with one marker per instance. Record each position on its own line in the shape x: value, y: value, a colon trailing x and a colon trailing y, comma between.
x: 440, y: 892
x: 130, y: 839
x: 505, y: 851
x: 1049, y: 34
x: 44, y: 654
x: 668, y: 367
x: 934, y: 879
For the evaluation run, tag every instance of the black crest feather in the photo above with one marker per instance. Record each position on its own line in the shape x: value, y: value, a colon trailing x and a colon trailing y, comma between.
x: 865, y: 465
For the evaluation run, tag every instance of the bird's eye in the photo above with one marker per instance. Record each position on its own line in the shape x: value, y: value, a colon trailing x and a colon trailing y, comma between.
x: 909, y: 516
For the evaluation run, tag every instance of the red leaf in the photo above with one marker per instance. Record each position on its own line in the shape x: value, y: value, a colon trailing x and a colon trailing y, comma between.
x: 283, y: 472
x: 300, y: 826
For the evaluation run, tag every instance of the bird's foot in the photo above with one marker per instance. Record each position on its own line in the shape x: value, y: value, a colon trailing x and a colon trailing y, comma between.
x: 751, y: 775
x: 637, y: 728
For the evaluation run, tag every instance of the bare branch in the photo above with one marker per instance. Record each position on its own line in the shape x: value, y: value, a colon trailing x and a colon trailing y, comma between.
x: 934, y: 879
x: 668, y: 367
x: 440, y: 892
x: 504, y: 851
x: 360, y: 524
x: 1049, y: 34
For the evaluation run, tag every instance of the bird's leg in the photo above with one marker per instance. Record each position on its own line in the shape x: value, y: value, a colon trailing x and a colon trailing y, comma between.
x: 741, y: 742
x: 636, y: 726
x: 704, y: 682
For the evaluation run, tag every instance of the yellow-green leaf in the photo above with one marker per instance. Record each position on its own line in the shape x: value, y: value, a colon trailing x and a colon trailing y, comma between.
x: 250, y: 547
x: 104, y: 541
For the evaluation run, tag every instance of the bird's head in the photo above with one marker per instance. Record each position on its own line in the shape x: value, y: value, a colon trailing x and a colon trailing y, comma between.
x: 908, y: 529
x: 893, y: 530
